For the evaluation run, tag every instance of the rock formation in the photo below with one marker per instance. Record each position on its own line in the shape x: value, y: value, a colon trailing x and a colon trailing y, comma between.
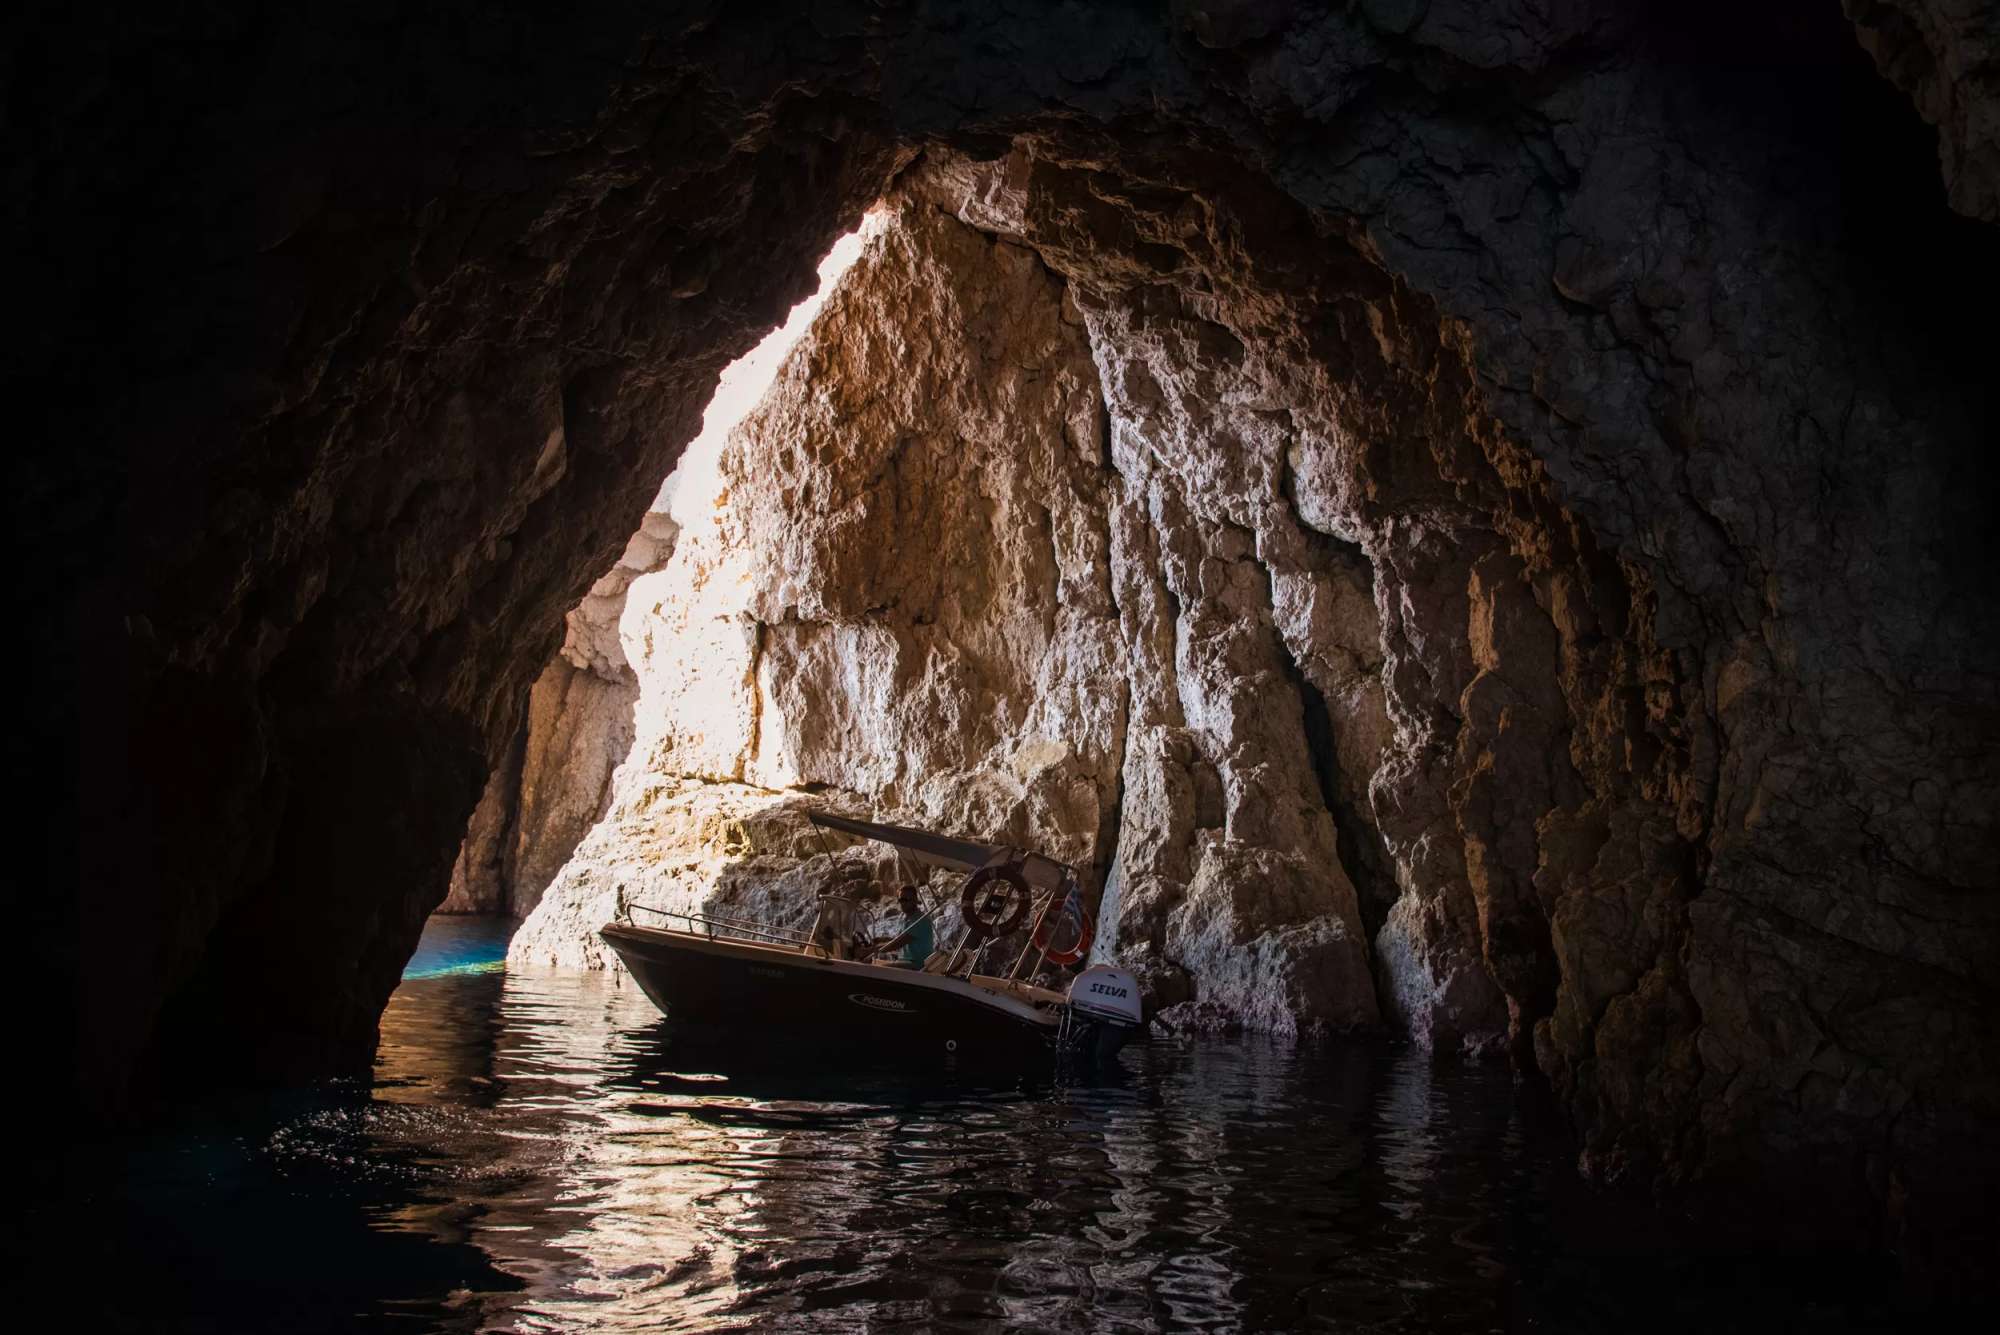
x: 932, y: 582
x: 1610, y: 351
x: 554, y: 783
x: 1946, y: 55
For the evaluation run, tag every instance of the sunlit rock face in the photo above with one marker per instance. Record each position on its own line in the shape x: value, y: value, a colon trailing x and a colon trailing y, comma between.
x: 554, y: 783
x: 932, y: 582
x: 1613, y: 354
x: 1575, y: 801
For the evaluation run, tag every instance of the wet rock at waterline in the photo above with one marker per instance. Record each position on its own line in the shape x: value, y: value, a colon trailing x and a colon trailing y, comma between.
x: 1611, y: 356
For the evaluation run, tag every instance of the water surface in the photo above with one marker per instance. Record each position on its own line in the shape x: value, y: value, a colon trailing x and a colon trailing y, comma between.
x: 539, y: 1151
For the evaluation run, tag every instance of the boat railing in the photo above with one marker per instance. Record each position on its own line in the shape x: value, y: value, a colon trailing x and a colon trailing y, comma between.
x: 715, y: 924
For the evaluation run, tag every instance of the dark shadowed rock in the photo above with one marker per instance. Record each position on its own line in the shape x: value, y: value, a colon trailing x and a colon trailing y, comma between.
x: 554, y: 783
x: 1946, y: 55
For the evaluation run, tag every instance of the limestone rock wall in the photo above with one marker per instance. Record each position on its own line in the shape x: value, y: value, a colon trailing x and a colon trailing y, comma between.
x: 932, y: 582
x: 1565, y: 798
x: 554, y: 784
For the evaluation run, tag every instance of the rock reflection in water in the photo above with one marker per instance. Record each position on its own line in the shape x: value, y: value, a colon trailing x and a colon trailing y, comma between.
x: 630, y: 1180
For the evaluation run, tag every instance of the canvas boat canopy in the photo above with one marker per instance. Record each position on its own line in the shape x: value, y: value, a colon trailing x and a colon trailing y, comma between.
x: 944, y: 851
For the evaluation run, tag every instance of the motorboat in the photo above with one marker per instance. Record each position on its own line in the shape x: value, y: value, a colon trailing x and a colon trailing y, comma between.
x: 768, y: 983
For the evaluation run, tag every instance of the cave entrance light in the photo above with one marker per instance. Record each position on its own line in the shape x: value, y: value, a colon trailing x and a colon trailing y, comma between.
x: 564, y: 762
x: 695, y: 498
x: 690, y: 491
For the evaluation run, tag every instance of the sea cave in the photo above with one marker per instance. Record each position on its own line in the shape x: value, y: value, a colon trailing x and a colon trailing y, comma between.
x: 1468, y: 526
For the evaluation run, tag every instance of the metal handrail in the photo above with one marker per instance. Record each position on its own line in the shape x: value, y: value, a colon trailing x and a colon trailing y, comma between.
x: 755, y: 931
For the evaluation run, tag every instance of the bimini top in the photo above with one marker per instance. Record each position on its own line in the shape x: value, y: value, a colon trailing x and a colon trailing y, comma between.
x: 942, y: 849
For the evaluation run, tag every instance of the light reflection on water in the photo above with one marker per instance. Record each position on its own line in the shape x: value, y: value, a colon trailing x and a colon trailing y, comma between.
x: 631, y: 1186
x: 553, y: 1121
x: 538, y: 1151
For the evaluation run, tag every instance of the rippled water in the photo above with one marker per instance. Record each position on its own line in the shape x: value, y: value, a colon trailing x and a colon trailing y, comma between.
x: 538, y: 1152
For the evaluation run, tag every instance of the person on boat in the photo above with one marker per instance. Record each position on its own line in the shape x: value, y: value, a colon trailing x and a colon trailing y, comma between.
x: 916, y: 941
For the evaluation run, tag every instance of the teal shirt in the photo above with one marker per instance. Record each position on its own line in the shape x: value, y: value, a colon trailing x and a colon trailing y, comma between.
x: 922, y: 941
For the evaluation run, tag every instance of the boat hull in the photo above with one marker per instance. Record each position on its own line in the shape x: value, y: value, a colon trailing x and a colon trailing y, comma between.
x: 753, y: 990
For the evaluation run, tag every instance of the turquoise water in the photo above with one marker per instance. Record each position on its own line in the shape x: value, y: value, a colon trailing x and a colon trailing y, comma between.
x: 539, y: 1151
x: 460, y: 944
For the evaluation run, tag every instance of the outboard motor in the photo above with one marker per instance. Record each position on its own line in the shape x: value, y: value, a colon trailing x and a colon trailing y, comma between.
x: 1106, y: 1000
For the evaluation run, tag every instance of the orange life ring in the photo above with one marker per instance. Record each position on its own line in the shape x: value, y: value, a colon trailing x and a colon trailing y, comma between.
x: 1072, y: 953
x: 995, y: 899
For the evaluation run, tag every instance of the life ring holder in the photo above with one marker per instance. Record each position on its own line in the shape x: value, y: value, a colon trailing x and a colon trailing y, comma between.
x: 990, y: 910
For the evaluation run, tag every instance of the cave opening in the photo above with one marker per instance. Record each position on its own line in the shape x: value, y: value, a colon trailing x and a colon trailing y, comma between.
x: 587, y: 714
x: 989, y: 553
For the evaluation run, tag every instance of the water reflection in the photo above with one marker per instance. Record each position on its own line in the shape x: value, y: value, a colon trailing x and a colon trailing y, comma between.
x: 538, y: 1151
x: 628, y: 1179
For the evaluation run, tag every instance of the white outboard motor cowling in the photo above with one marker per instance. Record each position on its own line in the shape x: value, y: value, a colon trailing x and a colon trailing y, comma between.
x: 1103, y: 992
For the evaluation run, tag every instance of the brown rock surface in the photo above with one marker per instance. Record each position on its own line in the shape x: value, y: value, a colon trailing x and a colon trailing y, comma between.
x: 555, y: 784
